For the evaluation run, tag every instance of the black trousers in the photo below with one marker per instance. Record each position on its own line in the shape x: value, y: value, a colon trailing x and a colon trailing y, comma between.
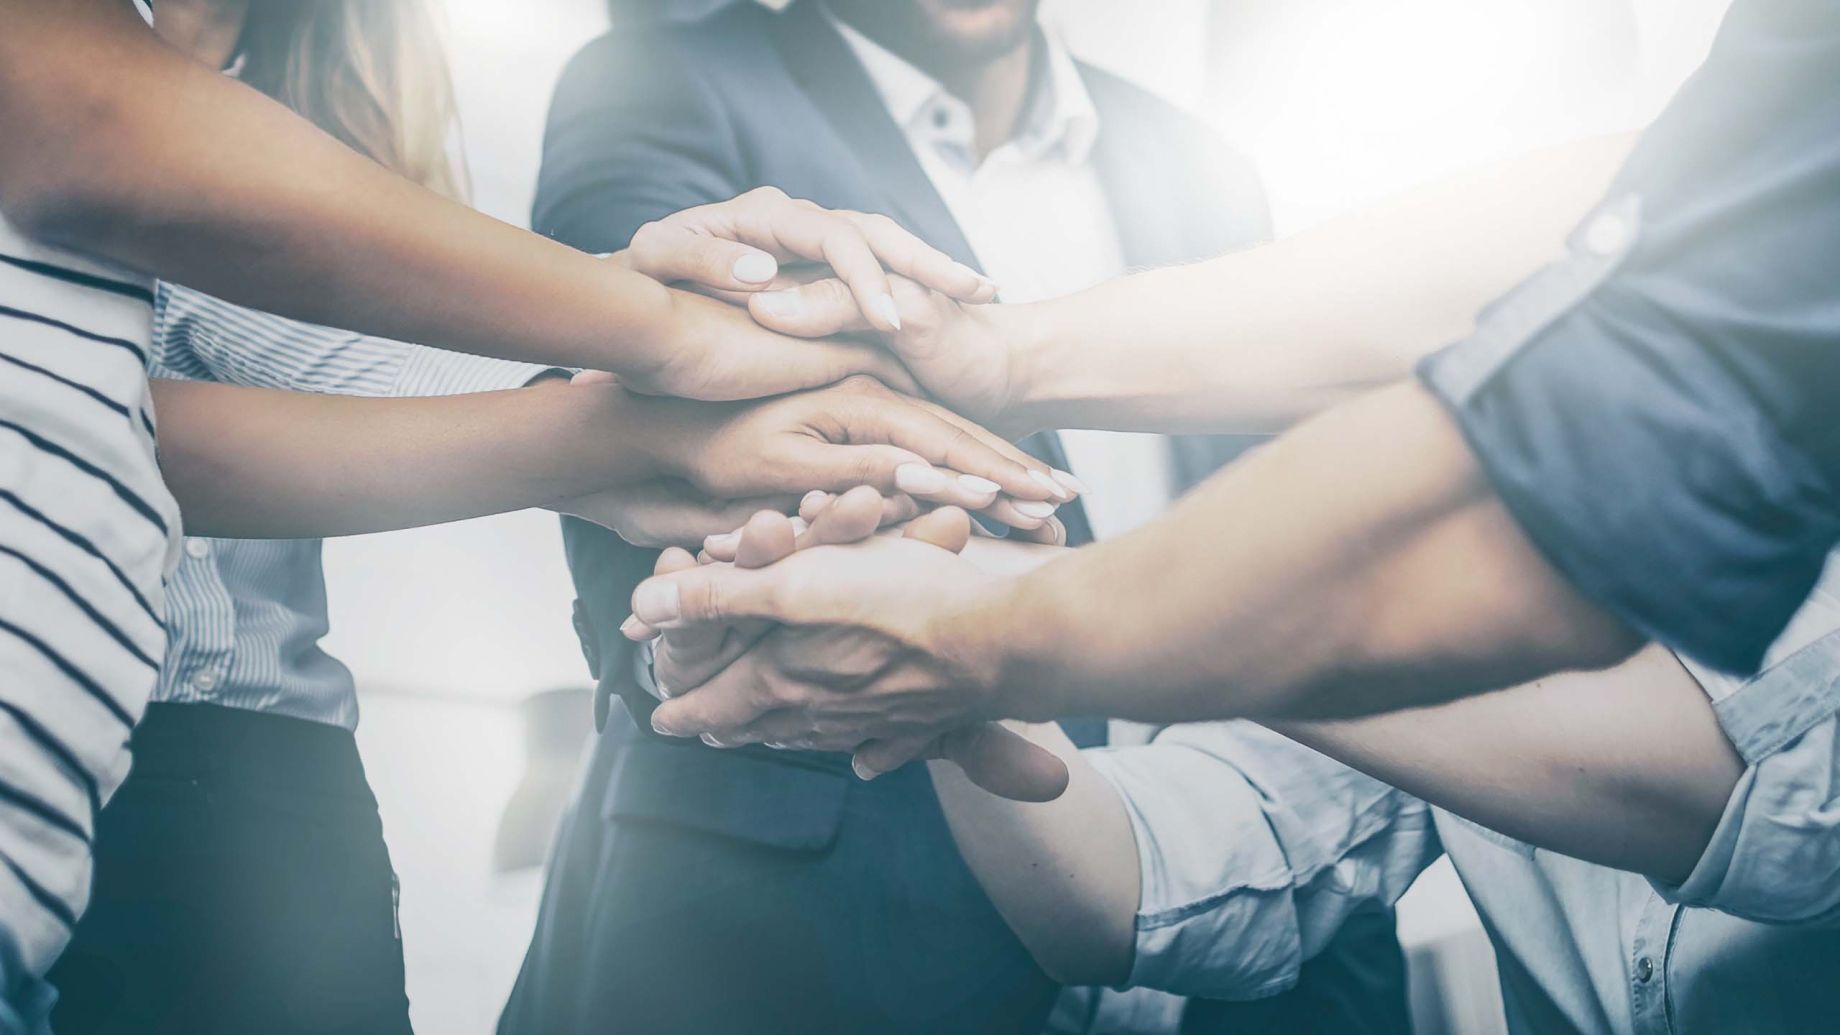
x: 242, y: 887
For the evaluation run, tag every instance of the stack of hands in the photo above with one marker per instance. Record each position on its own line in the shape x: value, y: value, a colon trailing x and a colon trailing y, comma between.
x: 854, y: 436
x: 818, y: 350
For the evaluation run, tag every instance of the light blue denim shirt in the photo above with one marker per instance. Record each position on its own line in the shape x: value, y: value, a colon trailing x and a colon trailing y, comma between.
x: 245, y: 616
x: 1249, y: 871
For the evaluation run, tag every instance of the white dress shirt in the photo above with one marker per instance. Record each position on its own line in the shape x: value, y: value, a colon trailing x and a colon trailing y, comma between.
x: 1036, y: 214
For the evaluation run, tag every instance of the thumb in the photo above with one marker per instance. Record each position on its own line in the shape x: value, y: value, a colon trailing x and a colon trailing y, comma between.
x: 815, y: 310
x: 719, y: 593
x: 668, y: 252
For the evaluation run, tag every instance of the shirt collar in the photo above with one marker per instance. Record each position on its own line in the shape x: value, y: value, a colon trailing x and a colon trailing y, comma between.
x: 1061, y: 120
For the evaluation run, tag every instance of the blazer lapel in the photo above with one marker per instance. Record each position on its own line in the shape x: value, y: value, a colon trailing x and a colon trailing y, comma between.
x: 822, y: 62
x: 1148, y: 232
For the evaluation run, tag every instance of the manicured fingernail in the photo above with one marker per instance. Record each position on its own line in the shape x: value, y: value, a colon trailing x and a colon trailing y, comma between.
x: 862, y: 770
x: 662, y: 728
x: 1027, y: 508
x: 1070, y: 481
x: 775, y: 745
x: 756, y: 268
x: 1060, y: 491
x: 632, y: 628
x: 981, y: 486
x: 800, y: 526
x: 783, y: 304
x: 656, y: 602
x: 886, y: 309
x: 919, y: 479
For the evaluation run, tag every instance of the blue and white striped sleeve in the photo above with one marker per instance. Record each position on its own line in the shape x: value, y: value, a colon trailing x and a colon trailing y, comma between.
x: 203, y: 338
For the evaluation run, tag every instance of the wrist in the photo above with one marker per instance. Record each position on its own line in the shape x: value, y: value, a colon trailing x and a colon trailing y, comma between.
x: 1012, y: 650
x: 617, y: 439
x: 1028, y: 335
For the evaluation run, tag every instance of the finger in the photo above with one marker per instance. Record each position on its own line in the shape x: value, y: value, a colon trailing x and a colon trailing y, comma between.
x: 592, y: 377
x: 984, y: 465
x: 1051, y: 532
x: 817, y: 310
x: 906, y: 254
x: 880, y: 757
x: 814, y: 233
x: 948, y: 528
x: 814, y: 503
x: 898, y: 508
x: 668, y: 251
x: 731, y: 700
x: 1021, y: 514
x: 850, y: 518
x: 1005, y: 763
x: 1049, y: 483
x: 767, y: 537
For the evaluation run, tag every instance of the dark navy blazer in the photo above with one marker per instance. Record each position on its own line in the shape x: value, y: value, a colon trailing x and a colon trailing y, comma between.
x: 751, y: 890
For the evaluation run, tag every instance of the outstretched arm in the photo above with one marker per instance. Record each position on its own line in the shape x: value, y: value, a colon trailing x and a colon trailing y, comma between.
x: 120, y: 147
x: 1250, y: 342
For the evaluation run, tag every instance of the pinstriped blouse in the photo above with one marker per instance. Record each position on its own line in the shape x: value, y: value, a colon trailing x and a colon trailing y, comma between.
x: 245, y: 616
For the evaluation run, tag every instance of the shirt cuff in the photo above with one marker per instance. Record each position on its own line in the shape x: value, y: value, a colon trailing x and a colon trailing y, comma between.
x: 431, y: 371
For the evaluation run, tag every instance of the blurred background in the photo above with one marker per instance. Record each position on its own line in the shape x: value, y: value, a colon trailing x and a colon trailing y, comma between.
x: 472, y: 683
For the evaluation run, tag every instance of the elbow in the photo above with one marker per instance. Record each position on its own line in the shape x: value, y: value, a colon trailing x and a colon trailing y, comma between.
x: 68, y: 177
x: 1088, y: 949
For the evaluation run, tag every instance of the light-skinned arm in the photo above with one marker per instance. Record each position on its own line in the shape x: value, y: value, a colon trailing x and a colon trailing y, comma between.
x: 1250, y: 342
x: 1359, y: 564
x: 1626, y: 768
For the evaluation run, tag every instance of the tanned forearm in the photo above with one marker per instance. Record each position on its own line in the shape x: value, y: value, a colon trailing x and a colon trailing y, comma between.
x: 1359, y: 564
x: 1257, y: 340
x: 317, y: 465
x: 119, y: 147
x: 1627, y: 768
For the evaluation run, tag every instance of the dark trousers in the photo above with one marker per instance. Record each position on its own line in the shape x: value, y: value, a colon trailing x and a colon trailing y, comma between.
x: 242, y: 887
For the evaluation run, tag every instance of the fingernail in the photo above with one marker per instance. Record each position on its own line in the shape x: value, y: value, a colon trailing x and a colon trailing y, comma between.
x: 721, y: 539
x: 774, y: 744
x: 969, y: 272
x: 783, y: 304
x: 1027, y: 508
x: 711, y: 741
x: 632, y: 627
x: 800, y: 526
x: 862, y: 770
x: 981, y: 486
x: 886, y: 309
x: 656, y: 602
x: 1070, y: 481
x: 919, y: 479
x: 756, y: 268
x: 663, y: 728
x: 813, y: 498
x: 1060, y: 491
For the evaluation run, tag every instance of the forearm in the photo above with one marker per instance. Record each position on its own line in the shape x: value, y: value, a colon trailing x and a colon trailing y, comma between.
x: 1254, y: 341
x: 1627, y: 768
x: 254, y: 463
x: 167, y: 167
x: 1359, y: 564
x: 1064, y: 874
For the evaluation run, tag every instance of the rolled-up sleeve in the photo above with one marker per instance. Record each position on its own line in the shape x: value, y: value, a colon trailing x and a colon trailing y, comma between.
x: 1657, y: 409
x: 204, y: 338
x: 1775, y: 856
x: 1251, y: 870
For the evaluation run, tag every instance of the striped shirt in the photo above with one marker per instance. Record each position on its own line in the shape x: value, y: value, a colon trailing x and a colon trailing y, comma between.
x: 245, y: 616
x: 86, y: 530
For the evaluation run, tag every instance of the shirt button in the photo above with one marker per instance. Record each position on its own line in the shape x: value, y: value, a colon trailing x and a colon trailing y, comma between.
x: 1607, y: 235
x: 204, y: 681
x: 941, y: 118
x: 197, y: 548
x: 1645, y: 969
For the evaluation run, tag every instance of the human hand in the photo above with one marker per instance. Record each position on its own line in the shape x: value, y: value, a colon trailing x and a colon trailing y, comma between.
x: 889, y: 638
x: 991, y: 756
x: 962, y: 355
x: 734, y: 248
x: 770, y: 452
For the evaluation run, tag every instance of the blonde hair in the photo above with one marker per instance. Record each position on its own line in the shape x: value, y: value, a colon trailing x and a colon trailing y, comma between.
x: 372, y: 73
